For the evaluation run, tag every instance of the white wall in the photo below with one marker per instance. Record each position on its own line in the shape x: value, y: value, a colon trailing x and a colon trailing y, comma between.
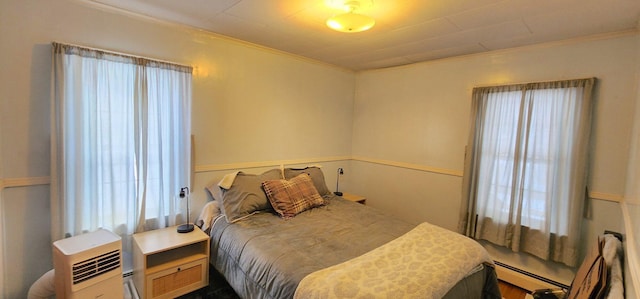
x: 255, y: 108
x: 631, y: 205
x: 631, y: 212
x: 251, y: 107
x: 416, y: 116
x: 1, y: 222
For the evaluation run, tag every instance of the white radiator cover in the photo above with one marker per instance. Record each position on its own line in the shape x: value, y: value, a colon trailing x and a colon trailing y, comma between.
x: 89, y: 266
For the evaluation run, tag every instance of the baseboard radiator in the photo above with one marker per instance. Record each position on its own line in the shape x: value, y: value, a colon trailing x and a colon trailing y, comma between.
x: 129, y: 291
x: 524, y: 279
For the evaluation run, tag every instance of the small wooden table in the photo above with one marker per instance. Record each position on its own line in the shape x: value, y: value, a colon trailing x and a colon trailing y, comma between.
x: 353, y: 197
x: 167, y: 264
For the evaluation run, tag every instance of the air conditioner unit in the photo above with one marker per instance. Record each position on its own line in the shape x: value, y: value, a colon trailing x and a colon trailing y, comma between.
x: 88, y: 266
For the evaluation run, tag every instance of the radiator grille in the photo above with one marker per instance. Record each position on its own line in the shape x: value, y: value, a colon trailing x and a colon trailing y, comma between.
x: 95, y: 266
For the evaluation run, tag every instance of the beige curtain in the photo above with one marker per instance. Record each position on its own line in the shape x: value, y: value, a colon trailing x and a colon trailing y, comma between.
x: 525, y: 173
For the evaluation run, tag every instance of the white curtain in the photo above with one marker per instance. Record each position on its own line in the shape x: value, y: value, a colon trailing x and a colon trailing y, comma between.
x: 526, y: 167
x: 120, y: 142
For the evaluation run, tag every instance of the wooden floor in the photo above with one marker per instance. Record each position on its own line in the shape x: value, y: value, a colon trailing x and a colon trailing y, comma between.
x: 510, y: 291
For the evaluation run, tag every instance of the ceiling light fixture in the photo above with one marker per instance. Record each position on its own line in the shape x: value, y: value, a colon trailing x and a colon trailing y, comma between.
x: 351, y: 21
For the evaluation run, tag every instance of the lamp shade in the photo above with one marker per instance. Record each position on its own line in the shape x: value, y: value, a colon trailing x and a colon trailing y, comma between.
x: 350, y: 22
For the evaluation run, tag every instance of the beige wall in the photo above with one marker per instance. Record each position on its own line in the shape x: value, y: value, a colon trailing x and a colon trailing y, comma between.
x: 417, y: 116
x: 249, y: 105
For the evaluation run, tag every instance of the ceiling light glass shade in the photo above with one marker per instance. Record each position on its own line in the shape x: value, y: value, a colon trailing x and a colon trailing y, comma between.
x: 351, y: 22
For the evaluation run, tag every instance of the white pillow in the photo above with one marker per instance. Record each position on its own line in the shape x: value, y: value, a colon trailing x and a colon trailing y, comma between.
x: 210, y: 211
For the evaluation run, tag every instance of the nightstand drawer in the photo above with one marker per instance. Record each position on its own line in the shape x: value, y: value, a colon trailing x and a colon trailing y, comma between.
x: 176, y: 280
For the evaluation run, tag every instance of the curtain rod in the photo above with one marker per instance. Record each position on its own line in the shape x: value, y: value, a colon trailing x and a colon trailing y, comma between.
x: 122, y: 54
x: 533, y: 82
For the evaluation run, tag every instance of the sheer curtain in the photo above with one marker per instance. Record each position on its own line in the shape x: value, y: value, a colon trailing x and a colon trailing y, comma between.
x: 120, y: 142
x: 526, y: 167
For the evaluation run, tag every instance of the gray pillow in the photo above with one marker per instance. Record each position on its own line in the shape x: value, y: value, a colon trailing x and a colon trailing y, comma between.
x: 246, y: 195
x: 316, y: 176
x: 213, y: 191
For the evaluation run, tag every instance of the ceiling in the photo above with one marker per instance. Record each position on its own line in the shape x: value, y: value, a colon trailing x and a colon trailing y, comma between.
x: 406, y: 31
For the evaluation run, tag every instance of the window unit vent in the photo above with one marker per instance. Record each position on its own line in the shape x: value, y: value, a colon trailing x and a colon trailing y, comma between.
x: 95, y: 266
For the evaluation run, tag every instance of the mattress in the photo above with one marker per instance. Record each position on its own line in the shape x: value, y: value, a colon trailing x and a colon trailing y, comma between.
x: 265, y: 256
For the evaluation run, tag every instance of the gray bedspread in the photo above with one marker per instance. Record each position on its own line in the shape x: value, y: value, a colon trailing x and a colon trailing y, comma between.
x: 266, y: 257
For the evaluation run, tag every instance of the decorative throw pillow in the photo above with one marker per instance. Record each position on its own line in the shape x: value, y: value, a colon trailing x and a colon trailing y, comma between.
x: 291, y: 197
x: 246, y: 196
x: 316, y: 176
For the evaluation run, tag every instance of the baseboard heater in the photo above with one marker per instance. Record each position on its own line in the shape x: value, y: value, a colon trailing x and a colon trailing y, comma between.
x: 129, y: 290
x: 525, y: 279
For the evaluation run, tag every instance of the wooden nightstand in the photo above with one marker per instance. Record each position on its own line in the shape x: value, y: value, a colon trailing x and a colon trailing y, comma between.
x: 167, y: 264
x: 353, y: 197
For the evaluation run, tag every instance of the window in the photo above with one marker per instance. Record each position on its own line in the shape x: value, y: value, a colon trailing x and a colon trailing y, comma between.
x: 525, y: 173
x: 121, y: 141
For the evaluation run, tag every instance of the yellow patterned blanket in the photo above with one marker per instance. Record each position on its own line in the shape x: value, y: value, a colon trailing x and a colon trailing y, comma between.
x: 426, y: 262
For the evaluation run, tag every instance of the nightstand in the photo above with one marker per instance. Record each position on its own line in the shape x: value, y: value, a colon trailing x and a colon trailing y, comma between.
x: 352, y: 197
x: 167, y: 264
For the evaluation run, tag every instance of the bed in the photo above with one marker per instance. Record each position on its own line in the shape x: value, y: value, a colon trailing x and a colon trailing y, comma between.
x: 333, y: 248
